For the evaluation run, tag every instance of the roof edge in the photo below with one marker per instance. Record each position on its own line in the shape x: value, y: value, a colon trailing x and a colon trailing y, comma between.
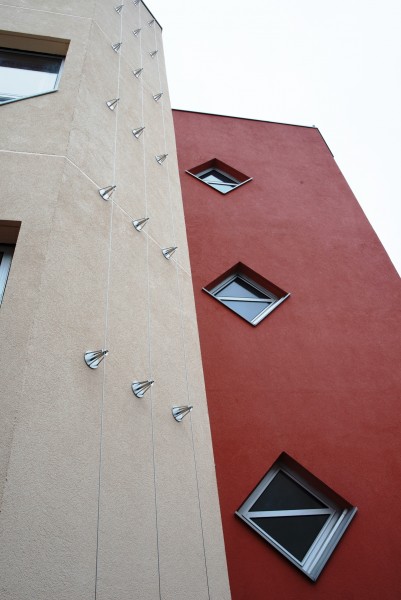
x: 151, y: 14
x: 258, y: 120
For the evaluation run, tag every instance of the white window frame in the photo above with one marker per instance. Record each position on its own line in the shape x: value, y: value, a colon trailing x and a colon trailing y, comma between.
x: 274, y: 300
x: 328, y: 537
x: 44, y: 55
x: 5, y: 265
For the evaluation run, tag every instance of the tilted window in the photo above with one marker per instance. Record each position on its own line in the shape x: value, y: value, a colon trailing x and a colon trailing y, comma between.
x: 219, y: 175
x: 298, y: 515
x: 246, y: 293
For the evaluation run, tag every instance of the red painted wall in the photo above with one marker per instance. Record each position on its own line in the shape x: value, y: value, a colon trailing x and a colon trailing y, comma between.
x: 319, y: 378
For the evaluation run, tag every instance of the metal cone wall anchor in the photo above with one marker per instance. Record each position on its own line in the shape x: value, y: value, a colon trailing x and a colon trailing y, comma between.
x: 168, y: 252
x: 179, y: 412
x: 137, y: 72
x: 119, y: 8
x: 153, y: 53
x: 140, y: 387
x: 113, y: 103
x: 138, y: 131
x: 93, y: 358
x: 161, y: 158
x: 139, y: 224
x: 136, y: 32
x: 116, y: 47
x: 107, y: 192
x: 156, y: 97
x: 150, y: 23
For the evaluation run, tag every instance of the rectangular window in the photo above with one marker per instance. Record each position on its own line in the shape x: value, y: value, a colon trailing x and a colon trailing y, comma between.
x: 9, y: 231
x: 6, y: 255
x: 27, y: 74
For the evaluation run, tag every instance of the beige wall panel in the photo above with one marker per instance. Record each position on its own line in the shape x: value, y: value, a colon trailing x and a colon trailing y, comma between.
x: 212, y: 530
x: 78, y: 256
x: 108, y: 20
x: 127, y: 541
x: 50, y: 501
x: 129, y: 150
x: 92, y: 138
x: 72, y: 7
x: 159, y: 205
x: 128, y: 298
x: 182, y: 565
x: 20, y: 199
x: 131, y: 48
x: 130, y: 193
x: 50, y: 115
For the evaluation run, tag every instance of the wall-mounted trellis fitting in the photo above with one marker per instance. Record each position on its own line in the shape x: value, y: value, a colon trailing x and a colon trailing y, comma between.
x: 139, y: 224
x: 119, y: 8
x: 140, y: 387
x: 136, y: 32
x: 168, y: 252
x: 153, y: 53
x: 107, y: 192
x: 137, y: 72
x: 112, y: 103
x: 138, y: 131
x: 179, y: 412
x: 150, y: 23
x: 116, y: 47
x: 156, y: 97
x: 93, y: 358
x: 161, y: 158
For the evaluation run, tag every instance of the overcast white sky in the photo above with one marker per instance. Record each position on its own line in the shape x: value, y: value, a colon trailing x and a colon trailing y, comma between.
x: 336, y: 65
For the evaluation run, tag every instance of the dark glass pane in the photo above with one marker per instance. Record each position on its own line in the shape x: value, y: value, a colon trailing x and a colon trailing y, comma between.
x: 30, y: 62
x: 283, y: 493
x: 238, y: 288
x: 295, y: 534
x: 248, y: 310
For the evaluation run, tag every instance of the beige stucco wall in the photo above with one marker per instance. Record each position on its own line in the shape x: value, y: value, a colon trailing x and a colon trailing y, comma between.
x: 103, y: 495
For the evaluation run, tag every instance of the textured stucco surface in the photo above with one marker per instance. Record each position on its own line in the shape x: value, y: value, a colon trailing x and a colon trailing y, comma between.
x: 319, y: 377
x: 102, y: 494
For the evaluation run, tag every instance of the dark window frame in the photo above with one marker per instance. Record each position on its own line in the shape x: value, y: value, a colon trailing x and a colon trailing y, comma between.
x: 340, y: 513
x: 251, y: 278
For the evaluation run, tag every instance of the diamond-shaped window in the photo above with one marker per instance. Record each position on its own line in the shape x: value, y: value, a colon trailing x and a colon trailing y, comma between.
x: 219, y: 175
x: 245, y: 292
x: 297, y: 514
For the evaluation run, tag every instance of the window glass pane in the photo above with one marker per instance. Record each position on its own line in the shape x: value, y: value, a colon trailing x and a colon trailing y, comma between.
x: 248, y: 310
x: 238, y: 288
x: 27, y: 74
x: 283, y: 493
x: 218, y: 180
x: 295, y: 534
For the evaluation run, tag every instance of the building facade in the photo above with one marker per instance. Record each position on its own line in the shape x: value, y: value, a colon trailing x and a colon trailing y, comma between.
x: 103, y: 494
x: 299, y: 317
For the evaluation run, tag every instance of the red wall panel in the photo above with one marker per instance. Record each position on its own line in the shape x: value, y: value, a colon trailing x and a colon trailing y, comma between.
x: 319, y: 378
